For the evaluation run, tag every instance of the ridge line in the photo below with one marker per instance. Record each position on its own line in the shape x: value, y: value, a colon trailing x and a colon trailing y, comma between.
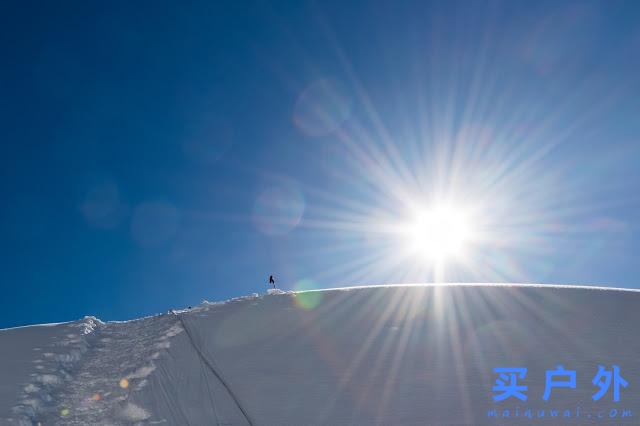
x: 215, y: 372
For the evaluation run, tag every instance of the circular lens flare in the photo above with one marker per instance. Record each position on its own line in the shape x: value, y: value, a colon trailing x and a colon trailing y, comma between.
x: 279, y: 209
x: 305, y: 297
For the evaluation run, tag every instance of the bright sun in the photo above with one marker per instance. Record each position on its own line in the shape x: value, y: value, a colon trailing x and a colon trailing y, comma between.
x: 439, y: 233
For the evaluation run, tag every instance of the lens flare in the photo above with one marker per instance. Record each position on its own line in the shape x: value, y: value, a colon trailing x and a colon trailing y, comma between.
x: 279, y: 209
x: 307, y: 299
x: 322, y: 107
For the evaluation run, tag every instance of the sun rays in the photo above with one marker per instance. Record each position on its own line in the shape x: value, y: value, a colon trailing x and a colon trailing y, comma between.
x: 441, y: 232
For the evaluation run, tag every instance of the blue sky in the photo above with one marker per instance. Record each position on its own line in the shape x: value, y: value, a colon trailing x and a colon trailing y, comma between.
x: 156, y: 154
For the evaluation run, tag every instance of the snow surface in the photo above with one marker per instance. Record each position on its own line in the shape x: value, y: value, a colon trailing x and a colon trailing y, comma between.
x: 390, y: 355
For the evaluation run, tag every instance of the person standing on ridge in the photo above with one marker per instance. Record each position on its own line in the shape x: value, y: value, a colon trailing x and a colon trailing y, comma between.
x: 272, y: 281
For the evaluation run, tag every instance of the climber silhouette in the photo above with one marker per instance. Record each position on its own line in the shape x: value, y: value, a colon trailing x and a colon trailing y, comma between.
x: 272, y: 281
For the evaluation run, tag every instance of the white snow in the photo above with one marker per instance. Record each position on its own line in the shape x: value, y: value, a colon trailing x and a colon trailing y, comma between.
x: 131, y: 412
x: 381, y: 355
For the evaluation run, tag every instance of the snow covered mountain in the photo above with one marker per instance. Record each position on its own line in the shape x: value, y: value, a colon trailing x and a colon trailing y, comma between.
x: 395, y: 355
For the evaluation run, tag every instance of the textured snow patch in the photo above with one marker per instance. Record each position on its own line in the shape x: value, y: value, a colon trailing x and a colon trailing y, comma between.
x: 174, y: 331
x: 48, y: 379
x: 163, y: 345
x: 133, y: 413
x: 28, y: 407
x: 98, y: 375
x: 54, y: 366
x: 90, y: 323
x: 142, y: 372
x: 141, y: 384
x: 207, y: 304
x: 74, y: 355
x: 31, y: 403
x: 31, y: 388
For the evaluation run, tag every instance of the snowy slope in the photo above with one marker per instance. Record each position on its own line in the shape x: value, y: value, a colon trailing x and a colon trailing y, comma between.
x: 400, y: 355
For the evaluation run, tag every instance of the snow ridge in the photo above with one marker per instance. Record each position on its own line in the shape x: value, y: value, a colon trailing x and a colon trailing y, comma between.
x: 212, y: 367
x: 374, y: 355
x: 94, y: 374
x: 55, y: 368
